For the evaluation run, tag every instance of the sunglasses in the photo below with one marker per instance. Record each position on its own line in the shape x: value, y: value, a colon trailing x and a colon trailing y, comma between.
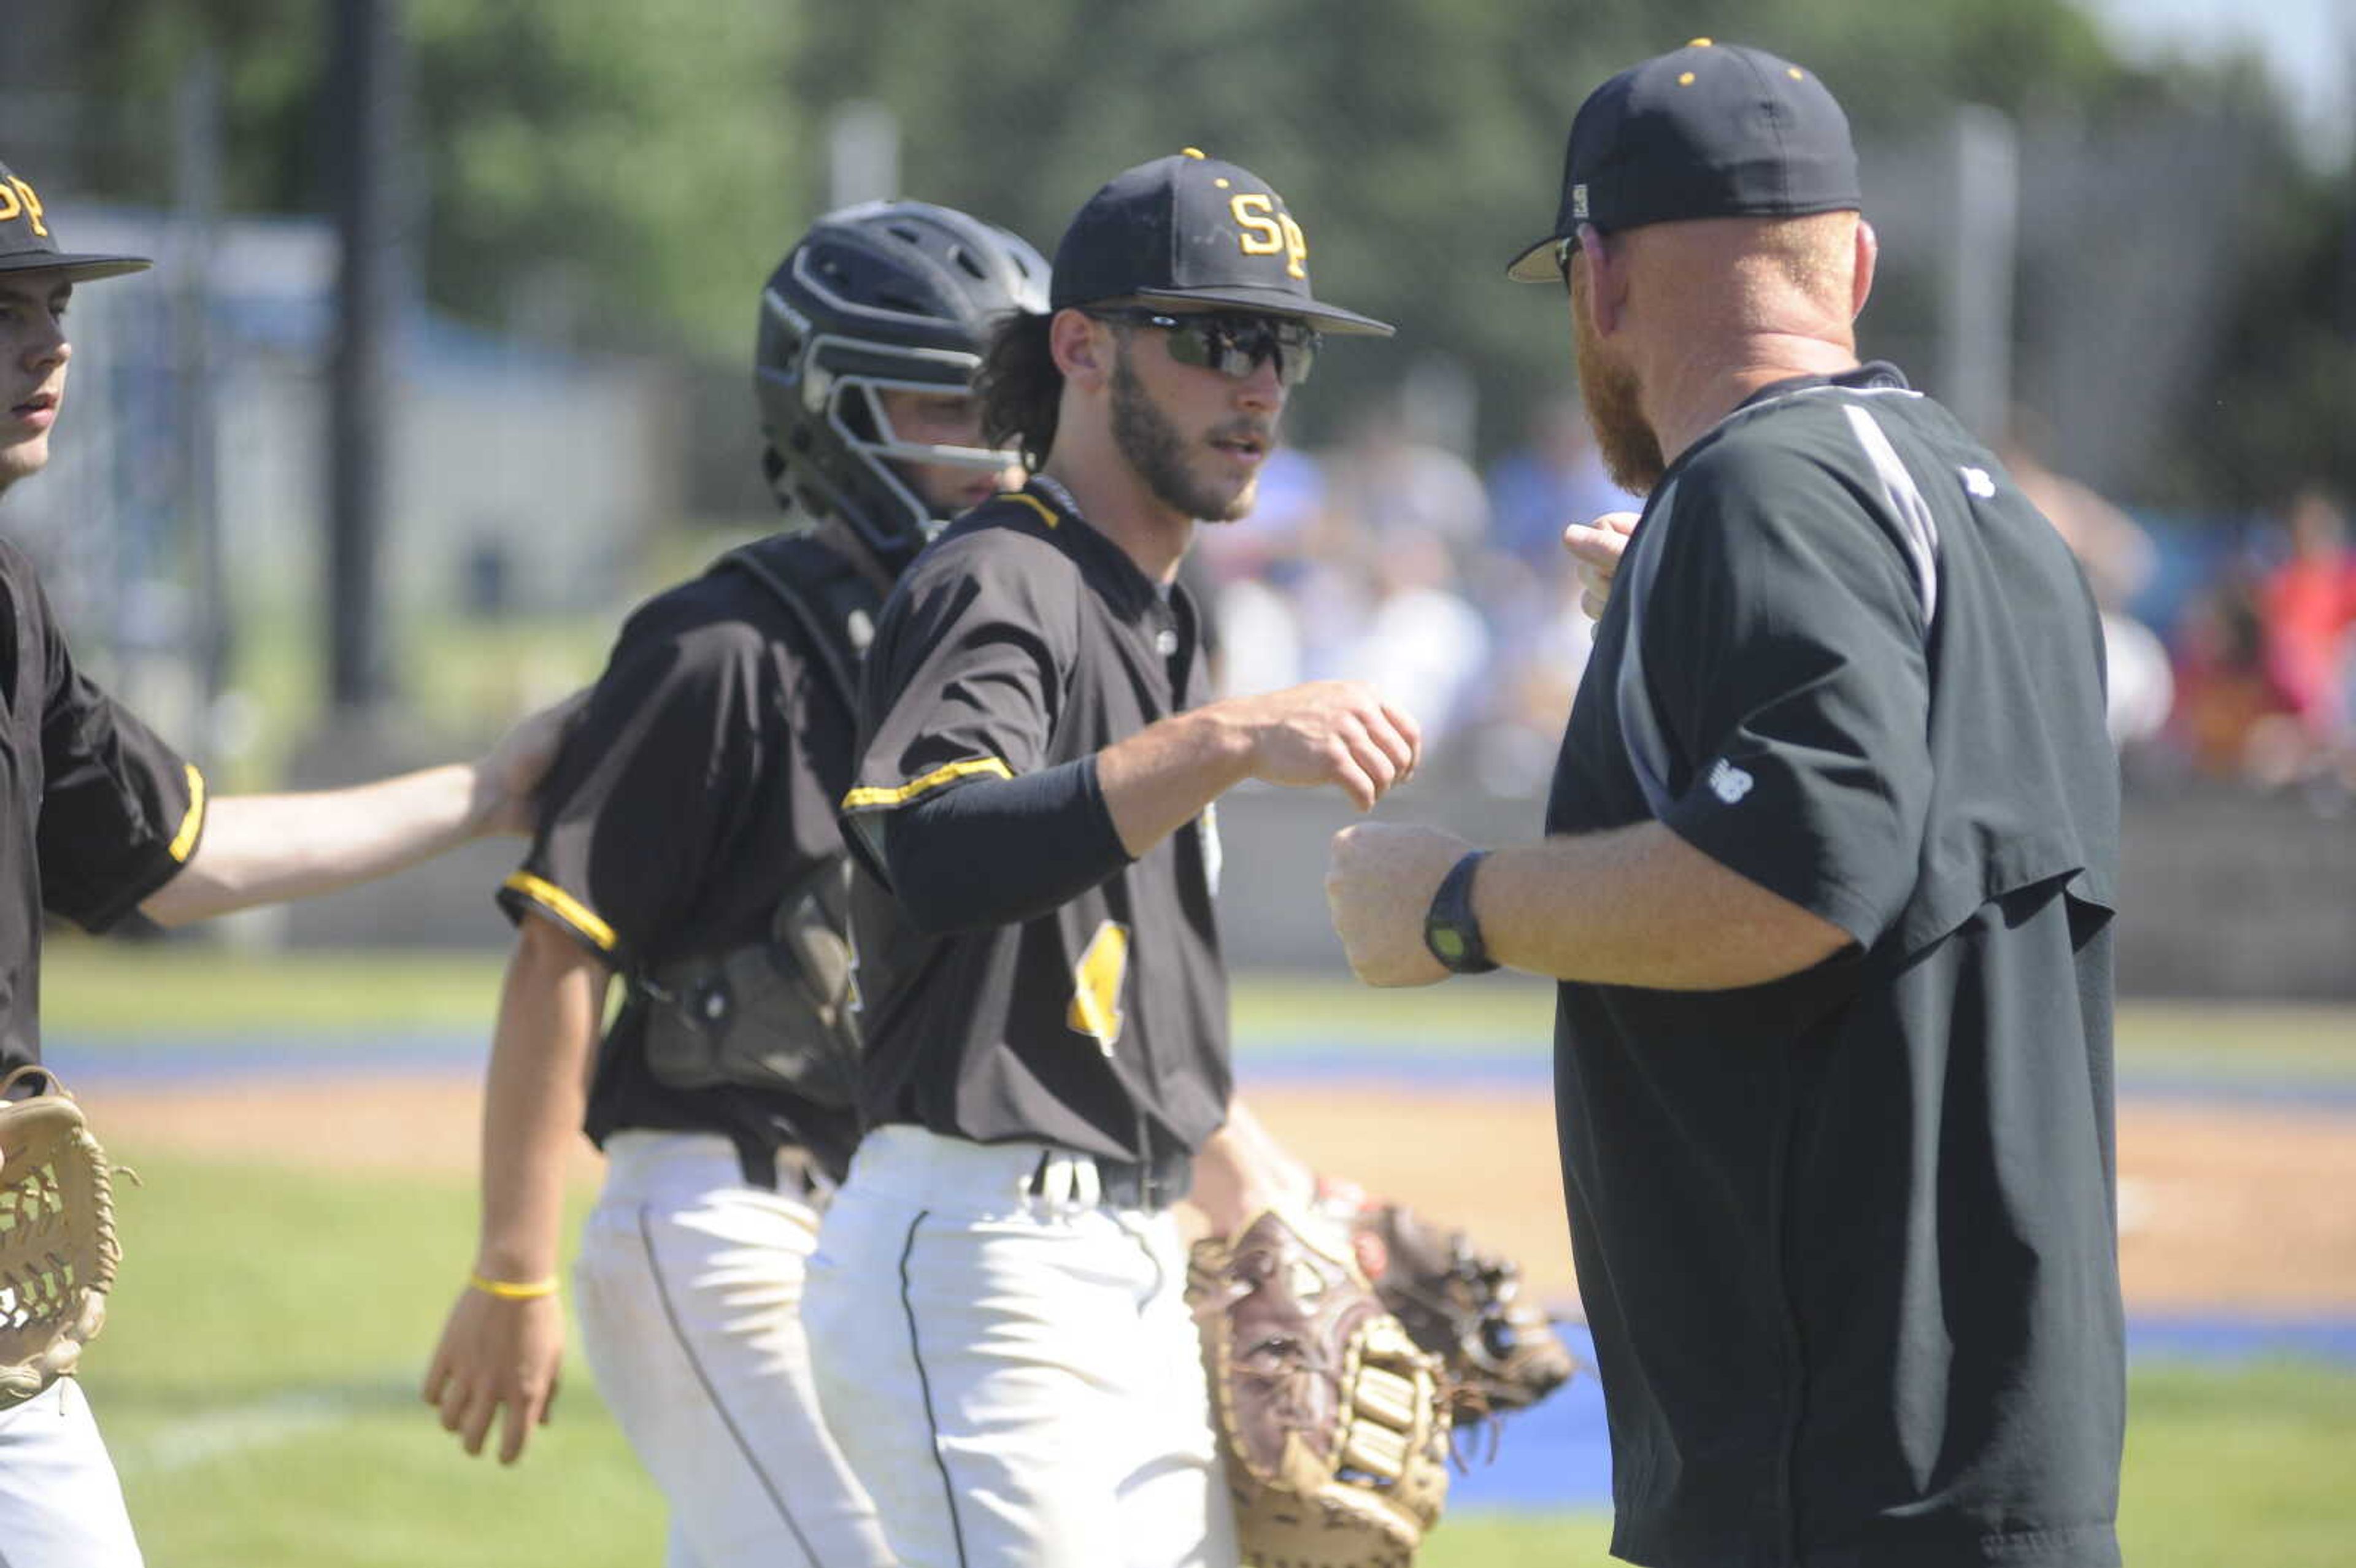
x: 1234, y: 346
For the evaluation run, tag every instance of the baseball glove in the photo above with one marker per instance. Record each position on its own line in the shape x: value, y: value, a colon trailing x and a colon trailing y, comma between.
x: 1496, y: 1349
x: 1331, y: 1423
x: 58, y: 1248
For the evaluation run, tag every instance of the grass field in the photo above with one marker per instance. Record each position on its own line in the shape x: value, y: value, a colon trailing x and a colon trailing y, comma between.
x: 258, y: 1381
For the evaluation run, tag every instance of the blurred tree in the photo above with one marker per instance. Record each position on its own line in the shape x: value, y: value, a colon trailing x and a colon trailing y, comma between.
x: 1418, y: 141
x: 622, y: 173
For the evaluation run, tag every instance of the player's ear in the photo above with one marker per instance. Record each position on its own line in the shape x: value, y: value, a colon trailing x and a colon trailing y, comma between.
x: 1082, y: 347
x: 1604, y: 289
x: 1868, y: 255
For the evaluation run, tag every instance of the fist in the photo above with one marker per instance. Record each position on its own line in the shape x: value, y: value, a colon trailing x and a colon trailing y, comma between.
x: 1379, y: 879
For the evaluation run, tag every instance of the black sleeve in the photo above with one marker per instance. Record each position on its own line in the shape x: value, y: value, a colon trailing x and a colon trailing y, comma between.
x: 649, y: 786
x: 120, y: 811
x: 1785, y: 639
x: 1002, y: 851
x: 965, y: 682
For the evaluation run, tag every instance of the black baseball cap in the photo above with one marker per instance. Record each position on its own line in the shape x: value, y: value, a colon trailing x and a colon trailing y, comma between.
x: 1192, y: 228
x: 1707, y: 131
x: 28, y: 242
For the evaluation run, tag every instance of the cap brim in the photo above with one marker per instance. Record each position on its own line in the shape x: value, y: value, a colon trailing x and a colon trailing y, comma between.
x: 78, y: 269
x: 1537, y: 264
x: 1276, y: 301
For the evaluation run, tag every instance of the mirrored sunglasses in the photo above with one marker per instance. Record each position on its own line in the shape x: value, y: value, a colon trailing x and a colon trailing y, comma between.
x: 1233, y: 345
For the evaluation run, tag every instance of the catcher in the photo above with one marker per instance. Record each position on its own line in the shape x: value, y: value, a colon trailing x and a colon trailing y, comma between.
x: 99, y: 818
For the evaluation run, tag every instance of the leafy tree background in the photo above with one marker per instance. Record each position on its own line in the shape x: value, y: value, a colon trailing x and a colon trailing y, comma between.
x: 623, y: 175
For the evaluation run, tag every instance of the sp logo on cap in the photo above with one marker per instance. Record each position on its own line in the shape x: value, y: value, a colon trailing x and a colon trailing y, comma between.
x: 1266, y: 230
x: 1578, y: 202
x: 16, y: 198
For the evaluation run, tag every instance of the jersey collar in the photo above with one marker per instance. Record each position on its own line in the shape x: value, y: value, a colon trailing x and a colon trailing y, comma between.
x: 1873, y: 376
x: 1109, y: 564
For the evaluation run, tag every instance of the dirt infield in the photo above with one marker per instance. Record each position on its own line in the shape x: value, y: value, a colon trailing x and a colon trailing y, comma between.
x: 2221, y: 1209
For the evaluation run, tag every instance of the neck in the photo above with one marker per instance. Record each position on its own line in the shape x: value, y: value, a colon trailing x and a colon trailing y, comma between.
x: 1119, y: 504
x: 844, y: 540
x: 1686, y: 397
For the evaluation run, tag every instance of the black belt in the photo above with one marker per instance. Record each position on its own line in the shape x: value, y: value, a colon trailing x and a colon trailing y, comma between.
x: 1150, y: 1185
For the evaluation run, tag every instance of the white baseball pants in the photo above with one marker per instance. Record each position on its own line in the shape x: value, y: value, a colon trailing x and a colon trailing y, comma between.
x: 688, y: 1291
x: 61, y: 1505
x: 1009, y: 1365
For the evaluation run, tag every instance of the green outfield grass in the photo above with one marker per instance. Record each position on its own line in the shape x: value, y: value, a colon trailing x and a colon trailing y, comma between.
x: 258, y: 1378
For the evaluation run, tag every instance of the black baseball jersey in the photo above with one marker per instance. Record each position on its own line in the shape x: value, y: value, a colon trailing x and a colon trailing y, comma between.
x: 95, y: 812
x: 1846, y: 1239
x: 697, y: 784
x: 1024, y: 639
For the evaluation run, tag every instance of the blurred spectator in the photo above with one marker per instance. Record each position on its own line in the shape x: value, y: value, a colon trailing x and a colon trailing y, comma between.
x: 1533, y: 681
x: 1248, y: 572
x: 2310, y: 606
x: 2231, y: 714
x: 2118, y: 559
x: 1556, y: 478
x: 1421, y: 643
x: 1391, y: 484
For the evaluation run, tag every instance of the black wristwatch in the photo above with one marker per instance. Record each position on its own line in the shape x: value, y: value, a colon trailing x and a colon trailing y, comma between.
x: 1448, y: 928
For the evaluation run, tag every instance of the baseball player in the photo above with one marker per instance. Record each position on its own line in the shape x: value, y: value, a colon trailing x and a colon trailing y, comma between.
x: 688, y: 844
x: 995, y: 1308
x: 99, y: 817
x: 1829, y: 889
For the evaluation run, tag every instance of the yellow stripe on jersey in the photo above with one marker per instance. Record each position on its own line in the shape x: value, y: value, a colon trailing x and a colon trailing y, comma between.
x: 564, y: 906
x: 193, y: 822
x: 948, y: 773
x: 1046, y: 512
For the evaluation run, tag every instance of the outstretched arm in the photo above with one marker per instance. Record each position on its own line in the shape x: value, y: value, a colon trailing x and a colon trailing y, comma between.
x: 263, y: 848
x: 504, y: 1341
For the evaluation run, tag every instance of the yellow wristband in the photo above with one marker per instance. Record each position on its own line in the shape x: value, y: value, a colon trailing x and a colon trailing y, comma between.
x: 508, y: 1291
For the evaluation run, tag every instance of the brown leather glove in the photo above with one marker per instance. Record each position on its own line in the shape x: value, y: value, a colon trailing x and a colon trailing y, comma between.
x: 1496, y: 1349
x: 1333, y: 1424
x: 58, y: 1247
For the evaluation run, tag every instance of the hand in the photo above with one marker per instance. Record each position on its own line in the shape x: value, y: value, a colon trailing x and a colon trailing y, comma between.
x: 498, y: 1354
x: 507, y: 777
x: 1379, y: 879
x: 1596, y: 548
x: 1330, y: 731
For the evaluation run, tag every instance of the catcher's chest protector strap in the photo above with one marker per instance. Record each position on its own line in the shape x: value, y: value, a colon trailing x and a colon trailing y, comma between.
x: 827, y: 597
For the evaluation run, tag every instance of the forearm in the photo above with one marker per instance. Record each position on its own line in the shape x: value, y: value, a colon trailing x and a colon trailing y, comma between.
x: 550, y: 1006
x: 1639, y: 906
x: 1159, y: 779
x: 262, y: 849
x: 1001, y: 851
x: 1241, y: 1170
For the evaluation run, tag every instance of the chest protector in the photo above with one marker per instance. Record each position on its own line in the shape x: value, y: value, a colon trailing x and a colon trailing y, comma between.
x: 779, y: 1014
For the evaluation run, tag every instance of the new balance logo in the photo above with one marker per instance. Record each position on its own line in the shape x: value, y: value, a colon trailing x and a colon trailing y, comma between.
x: 1977, y: 482
x: 1728, y: 783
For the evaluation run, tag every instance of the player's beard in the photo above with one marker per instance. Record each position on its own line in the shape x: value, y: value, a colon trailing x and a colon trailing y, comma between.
x: 1155, y: 448
x: 1615, y: 410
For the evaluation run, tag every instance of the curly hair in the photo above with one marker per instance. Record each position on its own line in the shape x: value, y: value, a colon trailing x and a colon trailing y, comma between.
x: 1020, y: 389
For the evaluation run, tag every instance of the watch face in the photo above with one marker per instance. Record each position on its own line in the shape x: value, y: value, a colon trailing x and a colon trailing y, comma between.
x: 1449, y: 942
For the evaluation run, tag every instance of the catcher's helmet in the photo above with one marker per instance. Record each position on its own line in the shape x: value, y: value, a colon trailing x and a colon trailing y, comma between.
x: 884, y: 296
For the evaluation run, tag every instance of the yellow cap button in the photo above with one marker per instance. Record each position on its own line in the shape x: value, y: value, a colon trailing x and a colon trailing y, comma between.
x: 1190, y: 152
